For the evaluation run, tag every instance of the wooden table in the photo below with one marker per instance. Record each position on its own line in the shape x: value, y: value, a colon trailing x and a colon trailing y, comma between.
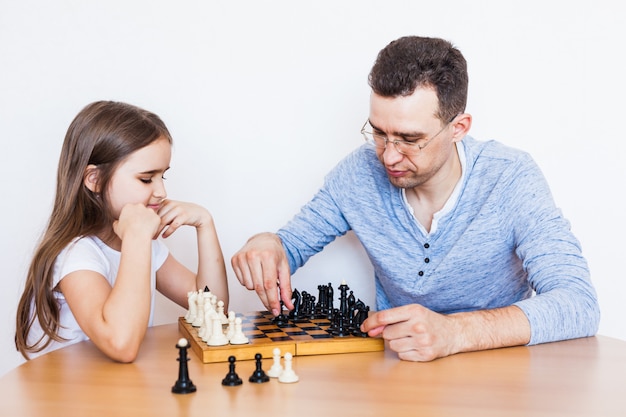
x: 583, y: 377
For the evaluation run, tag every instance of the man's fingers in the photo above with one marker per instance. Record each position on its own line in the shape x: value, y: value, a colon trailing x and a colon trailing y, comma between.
x: 284, y: 282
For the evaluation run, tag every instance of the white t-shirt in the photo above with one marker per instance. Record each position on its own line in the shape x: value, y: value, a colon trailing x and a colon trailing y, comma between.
x: 89, y: 253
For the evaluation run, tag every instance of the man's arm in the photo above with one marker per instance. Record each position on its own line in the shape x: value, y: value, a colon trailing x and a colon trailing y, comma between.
x: 419, y: 334
x: 266, y: 261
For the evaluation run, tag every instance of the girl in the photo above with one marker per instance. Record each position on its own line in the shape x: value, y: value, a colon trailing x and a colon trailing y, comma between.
x: 95, y: 271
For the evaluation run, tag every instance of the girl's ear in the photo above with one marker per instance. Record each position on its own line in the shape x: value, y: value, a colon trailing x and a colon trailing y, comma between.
x: 91, y: 178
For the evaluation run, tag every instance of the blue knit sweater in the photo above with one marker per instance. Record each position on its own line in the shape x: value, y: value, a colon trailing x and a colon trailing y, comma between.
x: 502, y: 242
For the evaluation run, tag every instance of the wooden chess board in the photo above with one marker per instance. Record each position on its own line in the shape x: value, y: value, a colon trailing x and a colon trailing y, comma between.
x: 305, y: 338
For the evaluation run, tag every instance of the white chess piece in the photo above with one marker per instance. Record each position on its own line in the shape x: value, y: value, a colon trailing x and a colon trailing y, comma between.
x: 207, y: 326
x: 239, y: 338
x: 206, y: 300
x: 230, y: 332
x: 288, y: 375
x: 202, y: 330
x: 192, y: 307
x: 218, y: 338
x: 277, y: 368
x: 197, y: 322
x: 220, y: 312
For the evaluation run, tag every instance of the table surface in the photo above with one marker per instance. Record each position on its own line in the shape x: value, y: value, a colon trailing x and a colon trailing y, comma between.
x: 582, y: 377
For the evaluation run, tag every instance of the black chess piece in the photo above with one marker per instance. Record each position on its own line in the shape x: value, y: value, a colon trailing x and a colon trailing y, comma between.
x: 282, y: 319
x: 343, y: 299
x: 231, y: 379
x: 294, y: 314
x: 329, y: 298
x: 340, y: 328
x: 259, y: 376
x: 183, y: 385
x: 360, y: 314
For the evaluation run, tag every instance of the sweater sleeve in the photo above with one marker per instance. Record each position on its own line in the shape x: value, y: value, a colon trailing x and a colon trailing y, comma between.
x: 565, y: 305
x: 317, y: 224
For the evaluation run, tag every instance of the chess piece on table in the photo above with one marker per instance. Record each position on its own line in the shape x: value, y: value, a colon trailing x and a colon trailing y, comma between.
x: 258, y: 376
x: 183, y: 384
x: 288, y: 375
x: 231, y: 379
x: 277, y: 368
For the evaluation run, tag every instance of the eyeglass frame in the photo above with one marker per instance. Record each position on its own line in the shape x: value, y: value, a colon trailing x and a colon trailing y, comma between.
x: 373, y: 142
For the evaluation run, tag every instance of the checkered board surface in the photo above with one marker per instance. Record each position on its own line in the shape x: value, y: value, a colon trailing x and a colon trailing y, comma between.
x: 306, y: 338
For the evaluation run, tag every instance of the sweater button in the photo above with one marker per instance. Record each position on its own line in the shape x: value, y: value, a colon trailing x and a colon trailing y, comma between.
x: 426, y: 260
x: 426, y: 245
x: 420, y: 273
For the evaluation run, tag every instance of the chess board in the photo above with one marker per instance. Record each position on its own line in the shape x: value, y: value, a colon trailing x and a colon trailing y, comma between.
x: 309, y: 337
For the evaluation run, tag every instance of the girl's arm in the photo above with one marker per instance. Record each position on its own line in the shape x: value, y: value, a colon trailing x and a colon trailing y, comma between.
x: 174, y: 280
x: 116, y: 318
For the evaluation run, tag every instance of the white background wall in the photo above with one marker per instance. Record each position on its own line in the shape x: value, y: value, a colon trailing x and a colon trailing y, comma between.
x: 264, y: 97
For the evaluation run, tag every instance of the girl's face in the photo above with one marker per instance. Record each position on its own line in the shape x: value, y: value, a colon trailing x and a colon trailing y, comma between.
x: 139, y: 178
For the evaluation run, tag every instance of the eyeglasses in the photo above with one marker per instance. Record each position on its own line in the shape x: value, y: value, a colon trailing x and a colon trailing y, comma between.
x: 405, y: 147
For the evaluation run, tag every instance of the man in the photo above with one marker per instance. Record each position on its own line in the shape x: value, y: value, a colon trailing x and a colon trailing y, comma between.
x: 468, y: 248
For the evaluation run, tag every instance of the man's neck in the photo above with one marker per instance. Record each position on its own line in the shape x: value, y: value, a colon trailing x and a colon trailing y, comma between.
x: 429, y: 198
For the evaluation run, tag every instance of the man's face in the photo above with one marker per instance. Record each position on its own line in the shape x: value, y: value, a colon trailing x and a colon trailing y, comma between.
x: 412, y: 118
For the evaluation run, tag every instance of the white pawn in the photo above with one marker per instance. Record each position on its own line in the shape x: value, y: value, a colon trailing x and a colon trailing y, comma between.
x: 277, y: 368
x: 288, y: 375
x: 218, y: 338
x: 239, y: 338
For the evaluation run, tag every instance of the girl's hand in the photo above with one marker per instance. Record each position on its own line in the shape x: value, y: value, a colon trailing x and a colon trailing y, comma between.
x: 137, y: 220
x: 175, y: 214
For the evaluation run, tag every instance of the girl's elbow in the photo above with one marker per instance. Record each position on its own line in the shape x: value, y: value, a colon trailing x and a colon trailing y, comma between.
x: 123, y: 352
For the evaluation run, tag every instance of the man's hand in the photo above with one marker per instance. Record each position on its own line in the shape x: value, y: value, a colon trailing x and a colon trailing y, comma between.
x: 261, y: 265
x: 419, y: 334
x: 415, y: 332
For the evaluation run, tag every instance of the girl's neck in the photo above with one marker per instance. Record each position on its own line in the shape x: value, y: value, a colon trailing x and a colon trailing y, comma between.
x: 110, y: 239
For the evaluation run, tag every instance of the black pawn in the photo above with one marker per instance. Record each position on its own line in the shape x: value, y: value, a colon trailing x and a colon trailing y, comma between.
x: 231, y: 379
x: 183, y: 385
x: 258, y: 375
x: 282, y: 319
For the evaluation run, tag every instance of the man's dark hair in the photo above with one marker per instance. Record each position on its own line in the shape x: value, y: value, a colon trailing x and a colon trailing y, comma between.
x: 412, y: 61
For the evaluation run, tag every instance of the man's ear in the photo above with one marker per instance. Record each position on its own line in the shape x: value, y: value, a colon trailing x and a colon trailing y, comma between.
x: 91, y: 178
x: 462, y: 124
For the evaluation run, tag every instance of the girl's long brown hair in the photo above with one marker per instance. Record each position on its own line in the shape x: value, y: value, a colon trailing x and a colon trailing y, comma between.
x: 104, y: 133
